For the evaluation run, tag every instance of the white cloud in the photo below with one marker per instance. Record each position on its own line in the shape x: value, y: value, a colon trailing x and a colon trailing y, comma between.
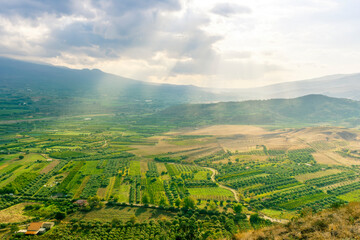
x: 229, y: 9
x: 208, y: 43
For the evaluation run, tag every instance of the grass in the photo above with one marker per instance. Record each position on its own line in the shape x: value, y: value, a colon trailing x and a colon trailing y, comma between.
x: 101, y: 192
x: 201, y: 175
x: 211, y: 191
x: 279, y: 214
x: 82, y: 186
x: 90, y: 168
x: 123, y: 193
x: 308, y: 176
x: 134, y: 168
x: 353, y: 196
x: 122, y: 213
x: 303, y: 200
x: 14, y: 214
x: 109, y: 188
x: 50, y: 166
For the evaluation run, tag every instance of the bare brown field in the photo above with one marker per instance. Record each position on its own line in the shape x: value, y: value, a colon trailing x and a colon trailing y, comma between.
x: 324, y: 159
x: 14, y: 214
x: 161, y: 147
x: 342, y: 160
x: 219, y: 130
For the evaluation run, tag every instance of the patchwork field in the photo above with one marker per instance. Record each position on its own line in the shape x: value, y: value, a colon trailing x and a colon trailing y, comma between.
x: 278, y: 172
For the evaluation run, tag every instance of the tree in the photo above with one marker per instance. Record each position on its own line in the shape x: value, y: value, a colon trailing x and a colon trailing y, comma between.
x: 94, y: 202
x: 177, y: 202
x: 60, y: 215
x: 116, y: 222
x: 237, y: 208
x: 189, y: 203
x: 162, y: 201
x: 212, y: 206
x: 230, y: 225
x: 255, y: 219
x: 14, y: 228
x: 21, y: 157
x: 133, y: 219
x: 145, y: 199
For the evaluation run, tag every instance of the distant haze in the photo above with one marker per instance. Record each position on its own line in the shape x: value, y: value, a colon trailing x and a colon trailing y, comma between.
x: 214, y: 43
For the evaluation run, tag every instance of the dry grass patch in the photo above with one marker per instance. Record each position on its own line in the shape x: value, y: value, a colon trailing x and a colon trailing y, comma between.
x: 101, y: 192
x: 14, y: 214
x: 82, y: 186
x: 307, y: 176
x: 342, y: 223
x: 50, y: 166
x: 229, y: 130
x: 106, y: 214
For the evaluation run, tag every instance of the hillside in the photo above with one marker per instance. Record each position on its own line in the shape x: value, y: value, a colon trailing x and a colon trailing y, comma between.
x: 307, y: 109
x: 338, y: 223
x: 36, y: 90
x: 339, y: 86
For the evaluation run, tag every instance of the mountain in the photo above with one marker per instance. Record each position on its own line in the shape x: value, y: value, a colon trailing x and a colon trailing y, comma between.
x: 307, y: 109
x: 38, y: 90
x: 340, y: 86
x: 30, y: 90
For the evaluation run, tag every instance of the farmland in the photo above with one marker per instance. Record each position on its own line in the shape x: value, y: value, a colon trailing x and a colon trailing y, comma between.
x: 139, y: 174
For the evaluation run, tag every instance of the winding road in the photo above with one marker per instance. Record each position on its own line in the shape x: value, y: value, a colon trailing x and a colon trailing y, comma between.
x: 237, y: 198
x: 214, y: 172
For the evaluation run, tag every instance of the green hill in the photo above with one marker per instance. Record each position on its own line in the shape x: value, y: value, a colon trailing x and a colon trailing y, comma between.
x: 308, y: 109
x: 37, y: 90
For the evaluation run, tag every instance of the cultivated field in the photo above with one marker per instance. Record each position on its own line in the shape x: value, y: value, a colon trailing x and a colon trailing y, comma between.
x: 278, y: 172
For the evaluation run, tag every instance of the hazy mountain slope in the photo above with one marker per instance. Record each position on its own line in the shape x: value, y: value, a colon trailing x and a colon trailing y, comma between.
x: 307, y: 109
x: 30, y: 89
x: 33, y: 90
x: 341, y: 86
x: 20, y: 75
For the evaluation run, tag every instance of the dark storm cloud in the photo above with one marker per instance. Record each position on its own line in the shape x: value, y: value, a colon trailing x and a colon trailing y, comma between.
x: 228, y: 9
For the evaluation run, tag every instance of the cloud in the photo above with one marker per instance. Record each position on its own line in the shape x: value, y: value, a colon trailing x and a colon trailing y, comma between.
x: 186, y: 41
x: 32, y: 8
x: 105, y: 29
x: 228, y: 9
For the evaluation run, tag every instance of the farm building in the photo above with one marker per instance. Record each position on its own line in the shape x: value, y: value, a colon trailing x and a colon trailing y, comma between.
x: 81, y: 202
x: 38, y: 228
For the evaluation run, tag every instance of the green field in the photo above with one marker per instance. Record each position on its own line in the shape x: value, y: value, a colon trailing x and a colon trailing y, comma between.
x: 211, y: 191
x: 353, y: 196
x: 153, y: 179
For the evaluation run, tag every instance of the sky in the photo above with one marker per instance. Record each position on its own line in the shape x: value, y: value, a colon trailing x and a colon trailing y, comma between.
x: 212, y: 43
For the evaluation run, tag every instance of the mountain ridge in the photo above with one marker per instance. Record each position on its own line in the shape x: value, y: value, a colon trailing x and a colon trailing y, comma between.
x: 311, y: 109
